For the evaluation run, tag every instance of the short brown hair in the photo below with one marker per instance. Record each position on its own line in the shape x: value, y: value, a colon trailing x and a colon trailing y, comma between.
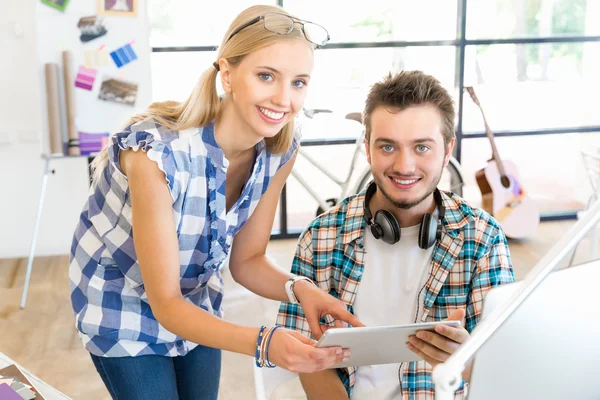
x: 410, y: 88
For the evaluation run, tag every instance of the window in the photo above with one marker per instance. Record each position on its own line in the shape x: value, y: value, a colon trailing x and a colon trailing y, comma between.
x: 533, y: 63
x: 532, y: 18
x: 533, y: 86
x: 174, y: 75
x: 342, y: 77
x: 192, y: 22
x: 380, y: 20
x: 550, y: 168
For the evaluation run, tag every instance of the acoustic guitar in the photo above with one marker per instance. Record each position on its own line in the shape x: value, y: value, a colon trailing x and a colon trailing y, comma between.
x: 502, y: 194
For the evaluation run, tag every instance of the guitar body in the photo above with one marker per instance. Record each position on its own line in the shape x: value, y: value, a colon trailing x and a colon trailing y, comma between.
x: 502, y: 194
x: 513, y: 209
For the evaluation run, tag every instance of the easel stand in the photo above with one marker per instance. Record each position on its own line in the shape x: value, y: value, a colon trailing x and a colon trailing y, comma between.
x: 47, y: 171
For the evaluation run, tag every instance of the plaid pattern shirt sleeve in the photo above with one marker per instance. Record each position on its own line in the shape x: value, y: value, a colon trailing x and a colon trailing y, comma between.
x: 291, y: 315
x: 493, y: 268
x: 327, y: 254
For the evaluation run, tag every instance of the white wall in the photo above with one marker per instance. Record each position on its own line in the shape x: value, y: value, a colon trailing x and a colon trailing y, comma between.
x: 32, y: 34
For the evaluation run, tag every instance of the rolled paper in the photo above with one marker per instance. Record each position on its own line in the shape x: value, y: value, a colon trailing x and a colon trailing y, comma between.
x: 72, y: 133
x: 53, y: 100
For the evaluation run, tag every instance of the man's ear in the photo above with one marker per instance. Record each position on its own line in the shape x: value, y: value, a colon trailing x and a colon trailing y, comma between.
x: 449, y: 149
x: 367, y: 150
x: 225, y: 74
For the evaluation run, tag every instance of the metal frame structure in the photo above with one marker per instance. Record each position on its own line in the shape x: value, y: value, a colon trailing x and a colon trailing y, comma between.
x: 461, y: 43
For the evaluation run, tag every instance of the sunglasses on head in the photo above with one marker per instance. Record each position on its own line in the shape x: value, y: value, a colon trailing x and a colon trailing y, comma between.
x: 283, y: 24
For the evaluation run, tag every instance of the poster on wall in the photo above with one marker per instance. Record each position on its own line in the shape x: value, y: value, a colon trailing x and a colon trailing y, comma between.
x: 58, y: 4
x: 91, y: 28
x: 117, y: 8
x: 118, y: 91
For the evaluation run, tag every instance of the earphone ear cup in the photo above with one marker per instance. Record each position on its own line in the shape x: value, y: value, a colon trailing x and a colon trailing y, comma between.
x: 390, y: 228
x: 376, y: 231
x: 428, y: 232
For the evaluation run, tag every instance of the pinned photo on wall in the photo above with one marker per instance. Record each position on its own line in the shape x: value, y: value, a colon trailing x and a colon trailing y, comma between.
x: 85, y: 78
x: 95, y: 58
x: 91, y: 28
x: 117, y: 8
x: 60, y: 5
x: 123, y: 55
x: 118, y: 91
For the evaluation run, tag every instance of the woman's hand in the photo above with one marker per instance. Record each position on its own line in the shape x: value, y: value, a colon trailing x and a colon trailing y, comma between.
x: 295, y: 352
x: 316, y: 303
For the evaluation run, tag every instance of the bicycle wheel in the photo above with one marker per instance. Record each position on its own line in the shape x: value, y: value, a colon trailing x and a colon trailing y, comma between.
x: 452, y: 179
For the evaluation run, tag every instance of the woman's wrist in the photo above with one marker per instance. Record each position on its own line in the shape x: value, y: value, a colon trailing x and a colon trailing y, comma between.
x: 248, y: 341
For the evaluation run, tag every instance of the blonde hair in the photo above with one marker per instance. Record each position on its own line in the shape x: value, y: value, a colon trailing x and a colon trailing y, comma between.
x: 203, y: 104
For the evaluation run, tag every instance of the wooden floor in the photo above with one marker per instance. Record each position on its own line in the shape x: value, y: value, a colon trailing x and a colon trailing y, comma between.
x: 42, y: 337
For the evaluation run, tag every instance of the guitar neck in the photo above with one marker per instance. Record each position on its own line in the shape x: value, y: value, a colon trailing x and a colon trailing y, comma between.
x: 488, y: 132
x: 495, y: 153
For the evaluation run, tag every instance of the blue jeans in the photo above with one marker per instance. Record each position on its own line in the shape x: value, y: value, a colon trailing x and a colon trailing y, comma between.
x: 194, y: 376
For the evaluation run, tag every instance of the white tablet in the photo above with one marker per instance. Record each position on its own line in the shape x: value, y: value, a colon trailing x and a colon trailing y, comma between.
x: 377, y: 344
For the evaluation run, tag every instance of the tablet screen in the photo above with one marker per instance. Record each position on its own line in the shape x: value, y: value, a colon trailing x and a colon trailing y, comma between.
x: 377, y: 344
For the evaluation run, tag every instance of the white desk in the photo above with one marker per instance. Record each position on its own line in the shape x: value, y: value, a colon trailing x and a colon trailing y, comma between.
x: 45, y: 390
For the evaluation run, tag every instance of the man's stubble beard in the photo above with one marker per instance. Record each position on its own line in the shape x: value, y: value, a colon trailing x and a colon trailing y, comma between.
x: 405, y: 205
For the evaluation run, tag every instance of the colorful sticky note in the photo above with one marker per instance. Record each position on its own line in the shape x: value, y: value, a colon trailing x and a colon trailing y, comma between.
x: 123, y: 55
x: 95, y: 58
x: 85, y: 78
x: 90, y: 143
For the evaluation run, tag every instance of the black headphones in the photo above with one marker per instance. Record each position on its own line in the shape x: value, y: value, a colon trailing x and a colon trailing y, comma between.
x: 385, y: 226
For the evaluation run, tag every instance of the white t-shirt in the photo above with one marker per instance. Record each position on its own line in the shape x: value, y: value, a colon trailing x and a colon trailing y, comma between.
x: 391, y: 292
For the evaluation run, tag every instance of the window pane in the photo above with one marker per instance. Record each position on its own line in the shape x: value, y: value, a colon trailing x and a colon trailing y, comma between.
x: 380, y: 20
x: 531, y: 18
x: 550, y: 167
x: 336, y: 159
x: 342, y: 77
x: 192, y: 22
x: 533, y: 86
x: 174, y: 75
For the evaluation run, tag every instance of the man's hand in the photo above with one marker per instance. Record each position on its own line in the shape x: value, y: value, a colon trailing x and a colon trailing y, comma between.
x: 436, y: 347
x: 316, y: 304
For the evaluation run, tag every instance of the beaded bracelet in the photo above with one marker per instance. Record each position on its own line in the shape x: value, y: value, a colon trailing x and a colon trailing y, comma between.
x: 259, y: 340
x: 262, y: 347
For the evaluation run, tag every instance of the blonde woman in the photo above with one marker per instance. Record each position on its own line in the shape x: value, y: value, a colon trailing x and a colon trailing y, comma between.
x: 168, y: 198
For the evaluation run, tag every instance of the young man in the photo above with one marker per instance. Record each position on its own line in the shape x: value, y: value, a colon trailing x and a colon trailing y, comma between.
x: 402, y: 252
